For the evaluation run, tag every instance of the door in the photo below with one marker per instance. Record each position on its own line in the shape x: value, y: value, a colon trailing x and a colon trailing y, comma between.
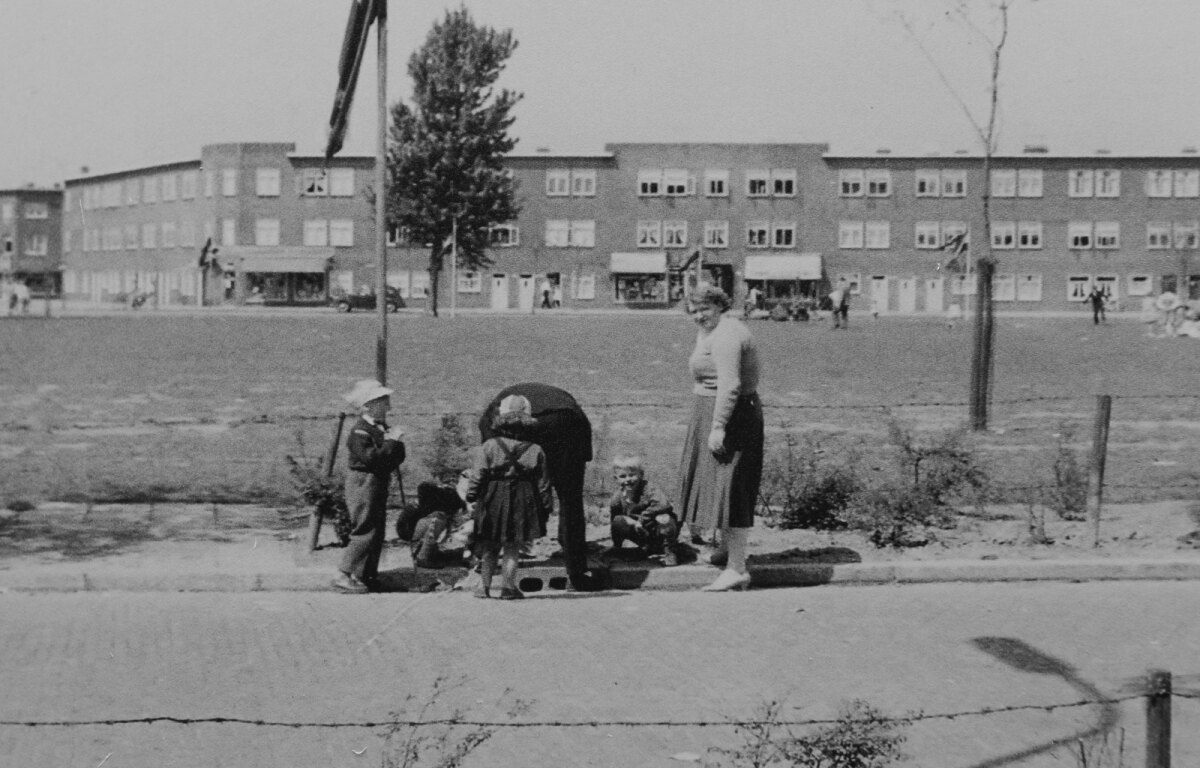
x: 879, y: 294
x: 934, y: 290
x: 907, y: 294
x: 526, y: 290
x: 499, y: 292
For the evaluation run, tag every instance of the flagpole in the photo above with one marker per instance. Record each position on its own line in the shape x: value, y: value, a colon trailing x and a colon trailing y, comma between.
x: 381, y: 194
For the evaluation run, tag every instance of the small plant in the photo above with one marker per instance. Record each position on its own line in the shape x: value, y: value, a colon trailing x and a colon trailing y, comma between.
x: 862, y: 737
x: 1068, y: 496
x: 324, y: 493
x: 448, y: 454
x: 1098, y: 753
x: 801, y: 488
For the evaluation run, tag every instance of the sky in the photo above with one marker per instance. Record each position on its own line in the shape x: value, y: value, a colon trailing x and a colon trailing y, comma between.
x: 121, y: 84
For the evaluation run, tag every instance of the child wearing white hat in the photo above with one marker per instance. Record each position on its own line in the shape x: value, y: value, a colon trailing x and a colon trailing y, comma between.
x: 374, y: 451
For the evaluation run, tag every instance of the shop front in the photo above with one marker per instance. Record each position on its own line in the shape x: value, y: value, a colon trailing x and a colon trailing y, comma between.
x: 640, y: 279
x: 784, y: 279
x: 279, y: 276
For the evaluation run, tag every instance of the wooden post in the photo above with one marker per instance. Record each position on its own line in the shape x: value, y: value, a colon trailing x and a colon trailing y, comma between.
x: 314, y: 519
x: 1158, y: 720
x: 1096, y: 469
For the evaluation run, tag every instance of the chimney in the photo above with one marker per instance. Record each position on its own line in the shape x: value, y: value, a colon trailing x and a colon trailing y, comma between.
x: 1036, y: 149
x: 1189, y: 150
x: 1103, y: 151
x: 883, y: 151
x: 84, y: 170
x: 543, y: 150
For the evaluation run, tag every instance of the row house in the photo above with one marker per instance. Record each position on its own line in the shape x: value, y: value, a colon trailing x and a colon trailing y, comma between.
x: 30, y: 232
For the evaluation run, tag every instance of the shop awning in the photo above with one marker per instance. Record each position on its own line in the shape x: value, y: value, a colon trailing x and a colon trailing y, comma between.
x: 268, y: 259
x: 803, y: 266
x: 640, y: 263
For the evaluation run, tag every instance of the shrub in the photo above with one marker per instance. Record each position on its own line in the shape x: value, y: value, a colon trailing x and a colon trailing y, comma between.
x: 1068, y: 496
x: 325, y: 494
x: 801, y: 488
x: 448, y: 455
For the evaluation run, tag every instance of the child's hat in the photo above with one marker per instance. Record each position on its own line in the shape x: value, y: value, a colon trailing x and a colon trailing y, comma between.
x: 515, y: 404
x: 365, y: 391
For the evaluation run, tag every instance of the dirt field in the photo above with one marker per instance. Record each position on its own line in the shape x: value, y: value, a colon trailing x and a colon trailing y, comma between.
x: 205, y: 408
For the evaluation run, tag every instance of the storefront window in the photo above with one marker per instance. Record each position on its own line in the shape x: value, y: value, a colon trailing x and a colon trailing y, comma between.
x: 640, y: 288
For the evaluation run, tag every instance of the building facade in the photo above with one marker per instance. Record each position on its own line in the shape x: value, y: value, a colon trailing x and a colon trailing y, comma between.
x: 634, y: 225
x: 31, y: 237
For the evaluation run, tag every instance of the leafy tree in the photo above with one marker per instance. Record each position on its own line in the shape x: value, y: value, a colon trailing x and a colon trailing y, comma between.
x: 447, y: 147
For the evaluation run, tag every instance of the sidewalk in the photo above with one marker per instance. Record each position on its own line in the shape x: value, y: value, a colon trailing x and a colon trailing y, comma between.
x: 279, y: 561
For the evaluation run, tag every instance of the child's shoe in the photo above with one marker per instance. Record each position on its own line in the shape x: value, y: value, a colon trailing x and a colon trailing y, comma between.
x: 511, y: 593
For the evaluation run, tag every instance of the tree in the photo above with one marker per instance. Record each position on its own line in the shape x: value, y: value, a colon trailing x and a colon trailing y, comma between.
x: 446, y: 149
x: 986, y: 21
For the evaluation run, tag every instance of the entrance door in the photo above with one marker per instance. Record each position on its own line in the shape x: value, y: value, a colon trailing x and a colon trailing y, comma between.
x: 499, y: 292
x: 934, y: 290
x: 907, y: 294
x: 526, y: 290
x: 879, y: 294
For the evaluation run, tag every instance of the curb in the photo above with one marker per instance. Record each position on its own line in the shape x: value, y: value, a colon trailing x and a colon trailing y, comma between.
x: 622, y: 576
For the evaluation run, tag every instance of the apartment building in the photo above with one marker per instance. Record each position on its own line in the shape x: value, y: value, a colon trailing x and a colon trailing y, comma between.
x: 30, y: 237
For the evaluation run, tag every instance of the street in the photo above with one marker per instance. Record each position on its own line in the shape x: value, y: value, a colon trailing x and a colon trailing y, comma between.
x: 570, y: 658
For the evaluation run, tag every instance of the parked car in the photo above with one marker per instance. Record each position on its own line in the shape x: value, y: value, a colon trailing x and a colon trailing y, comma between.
x: 348, y: 301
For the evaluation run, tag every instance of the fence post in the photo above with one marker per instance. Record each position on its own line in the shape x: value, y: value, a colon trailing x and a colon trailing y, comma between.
x: 1096, y: 469
x: 1158, y: 720
x: 314, y: 519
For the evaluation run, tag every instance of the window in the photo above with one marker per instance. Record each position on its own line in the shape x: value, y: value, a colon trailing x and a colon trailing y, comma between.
x: 170, y: 187
x: 783, y: 182
x: 341, y: 233
x: 1004, y: 183
x: 398, y: 236
x: 650, y: 182
x: 133, y: 190
x: 952, y: 229
x: 878, y: 234
x: 758, y: 234
x: 8, y: 243
x: 1108, y: 234
x: 470, y: 282
x: 1004, y: 287
x: 1079, y: 234
x: 961, y: 285
x: 677, y: 182
x: 150, y: 190
x: 1080, y: 182
x: 1158, y: 234
x: 316, y: 232
x: 783, y: 235
x: 850, y: 182
x: 110, y: 239
x: 585, y: 287
x: 132, y: 237
x: 68, y: 241
x: 850, y: 234
x: 929, y: 182
x: 1029, y: 182
x: 504, y: 236
x: 649, y: 234
x: 37, y: 245
x: 1158, y: 183
x: 37, y: 211
x: 266, y: 182
x: 583, y: 233
x: 583, y: 183
x: 1078, y: 287
x: 313, y: 183
x: 927, y: 234
x: 1109, y: 285
x: 149, y: 236
x: 112, y: 194
x: 266, y: 232
x: 1187, y: 183
x: 879, y: 183
x: 187, y: 234
x: 558, y: 233
x: 1029, y: 234
x: 1185, y: 234
x: 1140, y: 285
x: 229, y: 182
x: 758, y: 183
x: 558, y: 182
x: 168, y: 235
x: 187, y: 185
x: 1004, y: 234
x: 210, y: 182
x: 341, y: 182
x: 1029, y: 287
x: 716, y: 183
x: 716, y: 234
x: 1108, y: 183
x: 675, y: 234
x: 8, y: 211
x: 228, y: 232
x: 954, y: 183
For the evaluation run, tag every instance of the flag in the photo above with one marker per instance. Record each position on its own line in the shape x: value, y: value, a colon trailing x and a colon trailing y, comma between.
x: 956, y: 244
x: 204, y: 253
x: 358, y: 28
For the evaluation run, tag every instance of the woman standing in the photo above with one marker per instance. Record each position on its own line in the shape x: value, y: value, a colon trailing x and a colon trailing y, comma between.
x: 723, y: 453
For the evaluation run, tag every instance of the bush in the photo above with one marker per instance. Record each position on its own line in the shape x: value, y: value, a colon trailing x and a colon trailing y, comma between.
x: 325, y: 494
x: 801, y: 489
x: 448, y: 455
x: 1068, y: 496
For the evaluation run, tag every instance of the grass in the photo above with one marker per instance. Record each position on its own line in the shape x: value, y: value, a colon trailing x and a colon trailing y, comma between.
x: 205, y: 408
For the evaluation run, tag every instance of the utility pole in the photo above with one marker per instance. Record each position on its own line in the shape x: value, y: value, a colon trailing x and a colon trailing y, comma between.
x: 381, y: 195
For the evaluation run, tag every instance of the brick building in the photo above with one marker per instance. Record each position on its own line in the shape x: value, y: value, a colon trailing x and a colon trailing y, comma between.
x: 30, y: 237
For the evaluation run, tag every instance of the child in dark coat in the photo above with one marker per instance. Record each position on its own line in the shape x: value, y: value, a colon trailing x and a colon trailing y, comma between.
x: 512, y: 487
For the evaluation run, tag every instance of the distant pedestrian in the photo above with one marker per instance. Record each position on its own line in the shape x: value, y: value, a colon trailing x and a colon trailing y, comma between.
x: 374, y: 452
x: 546, y: 296
x: 557, y: 295
x: 1098, y: 298
x: 512, y: 487
x: 839, y: 304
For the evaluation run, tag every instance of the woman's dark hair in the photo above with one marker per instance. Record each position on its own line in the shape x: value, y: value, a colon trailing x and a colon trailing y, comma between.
x: 518, y: 426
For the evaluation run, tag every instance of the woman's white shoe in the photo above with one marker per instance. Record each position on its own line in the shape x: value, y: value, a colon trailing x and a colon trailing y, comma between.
x: 728, y: 580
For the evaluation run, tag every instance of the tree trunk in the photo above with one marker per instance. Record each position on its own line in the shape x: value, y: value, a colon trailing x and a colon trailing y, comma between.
x: 433, y: 290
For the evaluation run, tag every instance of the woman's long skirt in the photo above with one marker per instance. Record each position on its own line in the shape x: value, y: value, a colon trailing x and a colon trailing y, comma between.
x: 722, y: 491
